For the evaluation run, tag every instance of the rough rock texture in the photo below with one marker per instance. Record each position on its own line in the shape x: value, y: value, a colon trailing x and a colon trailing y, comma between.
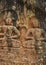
x: 22, y: 42
x: 23, y: 46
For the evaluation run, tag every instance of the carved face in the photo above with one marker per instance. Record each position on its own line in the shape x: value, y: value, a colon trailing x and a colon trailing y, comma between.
x: 8, y: 21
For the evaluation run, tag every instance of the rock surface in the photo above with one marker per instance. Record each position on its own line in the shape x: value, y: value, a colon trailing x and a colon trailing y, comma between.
x: 23, y: 43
